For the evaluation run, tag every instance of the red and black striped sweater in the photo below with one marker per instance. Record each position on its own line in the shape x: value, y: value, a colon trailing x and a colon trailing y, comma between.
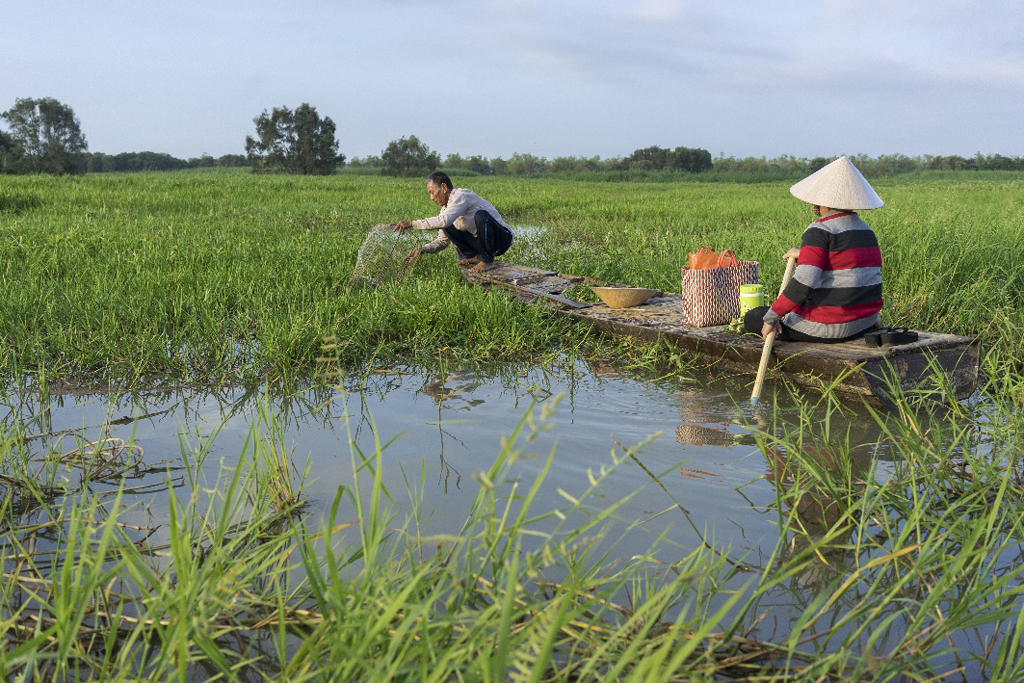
x: 836, y: 289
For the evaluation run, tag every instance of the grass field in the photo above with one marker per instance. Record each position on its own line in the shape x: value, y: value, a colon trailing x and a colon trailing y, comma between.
x: 204, y: 278
x: 212, y: 277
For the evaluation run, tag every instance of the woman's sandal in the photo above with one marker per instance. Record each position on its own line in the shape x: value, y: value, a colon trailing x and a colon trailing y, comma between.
x: 895, y: 336
x: 890, y: 336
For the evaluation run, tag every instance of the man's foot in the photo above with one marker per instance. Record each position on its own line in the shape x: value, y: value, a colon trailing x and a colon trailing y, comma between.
x: 468, y: 261
x: 482, y: 266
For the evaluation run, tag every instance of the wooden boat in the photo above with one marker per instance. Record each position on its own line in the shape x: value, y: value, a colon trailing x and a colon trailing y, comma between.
x: 851, y: 368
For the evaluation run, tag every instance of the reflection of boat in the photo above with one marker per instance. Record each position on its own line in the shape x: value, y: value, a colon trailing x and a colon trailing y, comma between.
x: 851, y: 368
x: 442, y: 387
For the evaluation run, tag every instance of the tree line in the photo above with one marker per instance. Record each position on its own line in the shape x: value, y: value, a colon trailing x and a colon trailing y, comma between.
x: 410, y: 157
x: 129, y: 162
x: 45, y: 136
x: 643, y: 163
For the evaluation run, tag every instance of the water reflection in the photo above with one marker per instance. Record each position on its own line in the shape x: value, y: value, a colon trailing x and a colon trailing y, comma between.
x: 451, y: 388
x: 448, y: 390
x: 819, y: 486
x: 815, y: 485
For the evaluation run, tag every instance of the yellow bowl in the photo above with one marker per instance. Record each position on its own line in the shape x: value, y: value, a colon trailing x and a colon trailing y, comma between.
x: 624, y: 297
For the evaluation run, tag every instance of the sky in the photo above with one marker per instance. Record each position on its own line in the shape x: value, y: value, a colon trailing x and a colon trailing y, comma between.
x: 550, y: 78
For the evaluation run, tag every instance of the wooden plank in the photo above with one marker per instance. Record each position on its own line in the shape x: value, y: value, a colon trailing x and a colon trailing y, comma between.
x: 555, y: 298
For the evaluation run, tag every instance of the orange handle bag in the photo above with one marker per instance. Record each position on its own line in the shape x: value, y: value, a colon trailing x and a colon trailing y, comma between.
x: 706, y: 259
x: 703, y: 259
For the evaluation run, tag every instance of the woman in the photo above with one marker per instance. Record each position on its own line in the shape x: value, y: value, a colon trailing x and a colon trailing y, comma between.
x: 835, y: 294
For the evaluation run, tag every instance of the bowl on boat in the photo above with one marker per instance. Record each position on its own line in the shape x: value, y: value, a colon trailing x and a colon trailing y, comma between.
x: 624, y: 297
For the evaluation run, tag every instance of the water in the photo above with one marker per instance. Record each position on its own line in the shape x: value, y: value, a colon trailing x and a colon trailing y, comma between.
x: 699, y: 477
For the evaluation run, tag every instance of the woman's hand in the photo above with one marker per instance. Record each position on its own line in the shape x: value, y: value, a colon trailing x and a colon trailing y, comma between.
x: 766, y: 329
x: 792, y: 253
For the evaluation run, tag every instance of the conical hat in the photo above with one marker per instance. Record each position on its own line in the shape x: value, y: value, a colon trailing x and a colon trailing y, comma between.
x: 837, y: 186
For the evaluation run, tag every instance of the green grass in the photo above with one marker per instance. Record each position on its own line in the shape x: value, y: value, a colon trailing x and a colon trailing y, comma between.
x: 221, y: 277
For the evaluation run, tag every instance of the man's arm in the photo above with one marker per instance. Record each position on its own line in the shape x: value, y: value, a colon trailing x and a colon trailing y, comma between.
x: 439, y: 243
x: 457, y: 205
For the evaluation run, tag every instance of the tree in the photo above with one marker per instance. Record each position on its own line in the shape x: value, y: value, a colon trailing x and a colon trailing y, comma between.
x: 888, y: 165
x: 293, y: 142
x: 479, y: 164
x: 48, y: 135
x: 316, y: 147
x: 950, y: 163
x: 691, y: 160
x: 454, y: 161
x: 9, y: 153
x: 409, y: 157
x: 205, y: 161
x: 649, y: 158
x: 232, y: 161
x: 526, y: 164
x: 370, y: 161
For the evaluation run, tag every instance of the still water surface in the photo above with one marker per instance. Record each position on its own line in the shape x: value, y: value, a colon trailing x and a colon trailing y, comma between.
x: 698, y: 477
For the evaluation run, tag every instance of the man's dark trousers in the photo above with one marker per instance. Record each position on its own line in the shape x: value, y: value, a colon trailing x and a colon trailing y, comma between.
x: 491, y: 239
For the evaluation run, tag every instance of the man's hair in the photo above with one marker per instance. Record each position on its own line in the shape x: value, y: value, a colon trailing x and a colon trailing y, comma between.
x: 440, y: 178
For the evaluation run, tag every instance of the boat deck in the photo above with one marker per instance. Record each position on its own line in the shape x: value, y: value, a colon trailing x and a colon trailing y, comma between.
x: 852, y: 368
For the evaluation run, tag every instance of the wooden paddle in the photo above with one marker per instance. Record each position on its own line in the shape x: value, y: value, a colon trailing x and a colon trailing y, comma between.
x: 766, y: 352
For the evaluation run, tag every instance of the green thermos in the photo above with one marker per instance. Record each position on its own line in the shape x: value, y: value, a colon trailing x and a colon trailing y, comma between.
x: 751, y: 296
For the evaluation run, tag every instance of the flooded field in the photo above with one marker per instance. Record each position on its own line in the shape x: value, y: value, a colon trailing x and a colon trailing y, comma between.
x: 697, y: 471
x: 684, y: 461
x: 691, y: 474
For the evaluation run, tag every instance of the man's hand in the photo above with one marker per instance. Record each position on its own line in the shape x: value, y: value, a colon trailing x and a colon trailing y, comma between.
x: 401, y: 226
x: 413, y: 255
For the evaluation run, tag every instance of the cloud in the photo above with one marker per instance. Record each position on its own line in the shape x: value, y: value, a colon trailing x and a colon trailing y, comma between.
x: 721, y: 46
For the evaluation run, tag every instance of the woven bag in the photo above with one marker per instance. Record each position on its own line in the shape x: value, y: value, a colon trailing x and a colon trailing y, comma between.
x: 711, y: 296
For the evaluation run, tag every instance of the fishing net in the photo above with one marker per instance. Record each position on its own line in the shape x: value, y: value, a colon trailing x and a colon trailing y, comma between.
x: 381, y: 258
x: 697, y: 435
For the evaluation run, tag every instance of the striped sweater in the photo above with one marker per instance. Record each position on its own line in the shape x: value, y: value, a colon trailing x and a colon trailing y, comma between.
x: 836, y: 289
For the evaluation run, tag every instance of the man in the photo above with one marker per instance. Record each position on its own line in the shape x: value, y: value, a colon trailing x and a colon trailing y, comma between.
x: 472, y: 224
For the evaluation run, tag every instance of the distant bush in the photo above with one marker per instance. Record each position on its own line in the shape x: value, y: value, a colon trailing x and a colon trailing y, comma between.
x: 130, y: 162
x: 409, y: 157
